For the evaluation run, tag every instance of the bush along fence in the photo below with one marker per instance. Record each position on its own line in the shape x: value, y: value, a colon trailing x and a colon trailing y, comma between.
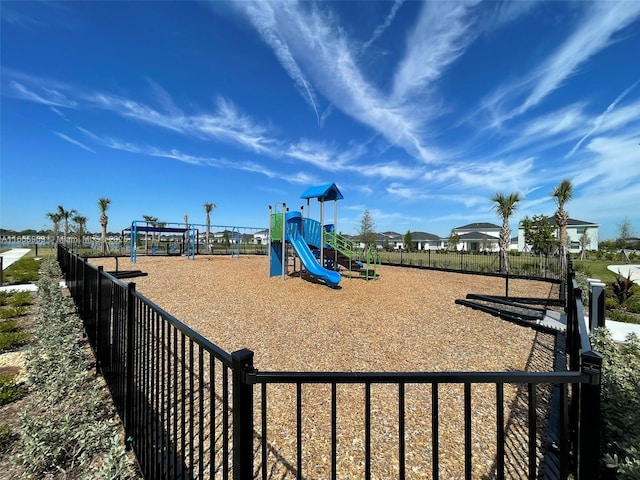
x: 191, y: 410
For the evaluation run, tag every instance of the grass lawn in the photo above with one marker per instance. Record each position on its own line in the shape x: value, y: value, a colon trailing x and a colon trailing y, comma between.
x: 24, y: 270
x: 596, y: 269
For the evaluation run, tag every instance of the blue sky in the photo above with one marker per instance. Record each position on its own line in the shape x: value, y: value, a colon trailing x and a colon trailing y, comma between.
x: 419, y: 112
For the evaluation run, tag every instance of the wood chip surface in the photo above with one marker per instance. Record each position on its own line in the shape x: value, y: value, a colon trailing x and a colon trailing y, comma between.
x: 406, y: 320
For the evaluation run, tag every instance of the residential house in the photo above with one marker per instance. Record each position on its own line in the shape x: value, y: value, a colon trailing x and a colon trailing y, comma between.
x: 390, y: 240
x: 261, y: 237
x: 478, y: 237
x: 426, y: 241
x: 575, y: 230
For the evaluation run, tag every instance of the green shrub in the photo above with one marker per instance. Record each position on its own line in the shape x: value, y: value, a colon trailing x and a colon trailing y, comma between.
x: 620, y: 405
x: 610, y: 303
x: 66, y: 427
x: 633, y: 304
x: 20, y: 299
x: 8, y: 326
x: 6, y: 437
x: 12, y: 312
x: 583, y: 285
x: 9, y: 391
x: 619, y: 315
x: 622, y: 288
x: 12, y: 340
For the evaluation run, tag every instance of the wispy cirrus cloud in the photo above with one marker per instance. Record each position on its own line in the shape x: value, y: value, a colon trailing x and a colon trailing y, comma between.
x: 380, y: 29
x: 45, y: 96
x: 74, y: 142
x: 597, y: 30
x: 326, y: 58
x: 602, y: 117
x: 422, y: 193
x: 440, y: 35
x: 225, y: 123
x: 596, y: 33
x: 214, y: 162
x: 269, y: 24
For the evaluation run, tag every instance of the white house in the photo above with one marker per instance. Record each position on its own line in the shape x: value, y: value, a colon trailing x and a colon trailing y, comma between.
x: 427, y: 241
x: 261, y: 237
x: 478, y: 237
x: 575, y: 230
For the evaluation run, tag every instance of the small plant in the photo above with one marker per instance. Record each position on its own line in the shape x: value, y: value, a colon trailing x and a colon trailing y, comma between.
x: 620, y: 403
x: 6, y: 438
x: 20, y: 299
x: 12, y: 340
x: 8, y: 326
x: 9, y: 391
x: 12, y: 312
x: 622, y: 288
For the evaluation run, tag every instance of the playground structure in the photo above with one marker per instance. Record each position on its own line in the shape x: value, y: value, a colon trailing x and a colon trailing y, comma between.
x: 183, y: 239
x: 321, y: 250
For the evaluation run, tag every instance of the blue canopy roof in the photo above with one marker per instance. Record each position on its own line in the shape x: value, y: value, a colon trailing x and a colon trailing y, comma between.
x: 323, y: 193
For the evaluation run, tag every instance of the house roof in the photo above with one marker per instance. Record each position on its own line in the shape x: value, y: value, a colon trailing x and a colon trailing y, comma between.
x: 420, y: 236
x: 479, y: 226
x: 323, y: 193
x: 476, y: 236
x: 572, y: 222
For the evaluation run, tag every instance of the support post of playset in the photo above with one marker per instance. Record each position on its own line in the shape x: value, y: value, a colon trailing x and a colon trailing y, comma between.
x: 284, y: 242
x: 269, y: 238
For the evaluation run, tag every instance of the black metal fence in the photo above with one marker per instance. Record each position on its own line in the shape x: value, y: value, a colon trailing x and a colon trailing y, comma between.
x: 171, y: 387
x: 191, y: 410
x: 521, y: 264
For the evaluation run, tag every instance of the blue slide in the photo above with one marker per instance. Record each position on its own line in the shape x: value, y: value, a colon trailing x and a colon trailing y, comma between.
x: 330, y: 277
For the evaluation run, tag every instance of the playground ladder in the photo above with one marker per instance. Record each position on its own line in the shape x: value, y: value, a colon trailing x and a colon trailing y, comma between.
x: 342, y: 244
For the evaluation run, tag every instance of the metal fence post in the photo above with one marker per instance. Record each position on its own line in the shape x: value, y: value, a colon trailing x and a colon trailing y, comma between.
x: 596, y: 303
x: 506, y: 285
x: 86, y: 291
x: 589, y: 417
x: 242, y: 415
x: 128, y: 368
x: 98, y: 311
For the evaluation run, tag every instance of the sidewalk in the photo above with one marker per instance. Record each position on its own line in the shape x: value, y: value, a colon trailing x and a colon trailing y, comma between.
x: 626, y: 270
x: 620, y: 330
x: 12, y: 256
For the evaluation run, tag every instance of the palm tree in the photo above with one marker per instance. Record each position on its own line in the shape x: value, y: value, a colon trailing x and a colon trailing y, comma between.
x: 208, y: 207
x: 64, y: 215
x: 55, y: 219
x: 81, y: 225
x: 505, y: 205
x: 103, y: 205
x: 562, y: 194
x: 150, y: 220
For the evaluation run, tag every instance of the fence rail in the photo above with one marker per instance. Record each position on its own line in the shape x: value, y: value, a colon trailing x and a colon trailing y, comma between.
x: 191, y: 410
x: 520, y: 264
